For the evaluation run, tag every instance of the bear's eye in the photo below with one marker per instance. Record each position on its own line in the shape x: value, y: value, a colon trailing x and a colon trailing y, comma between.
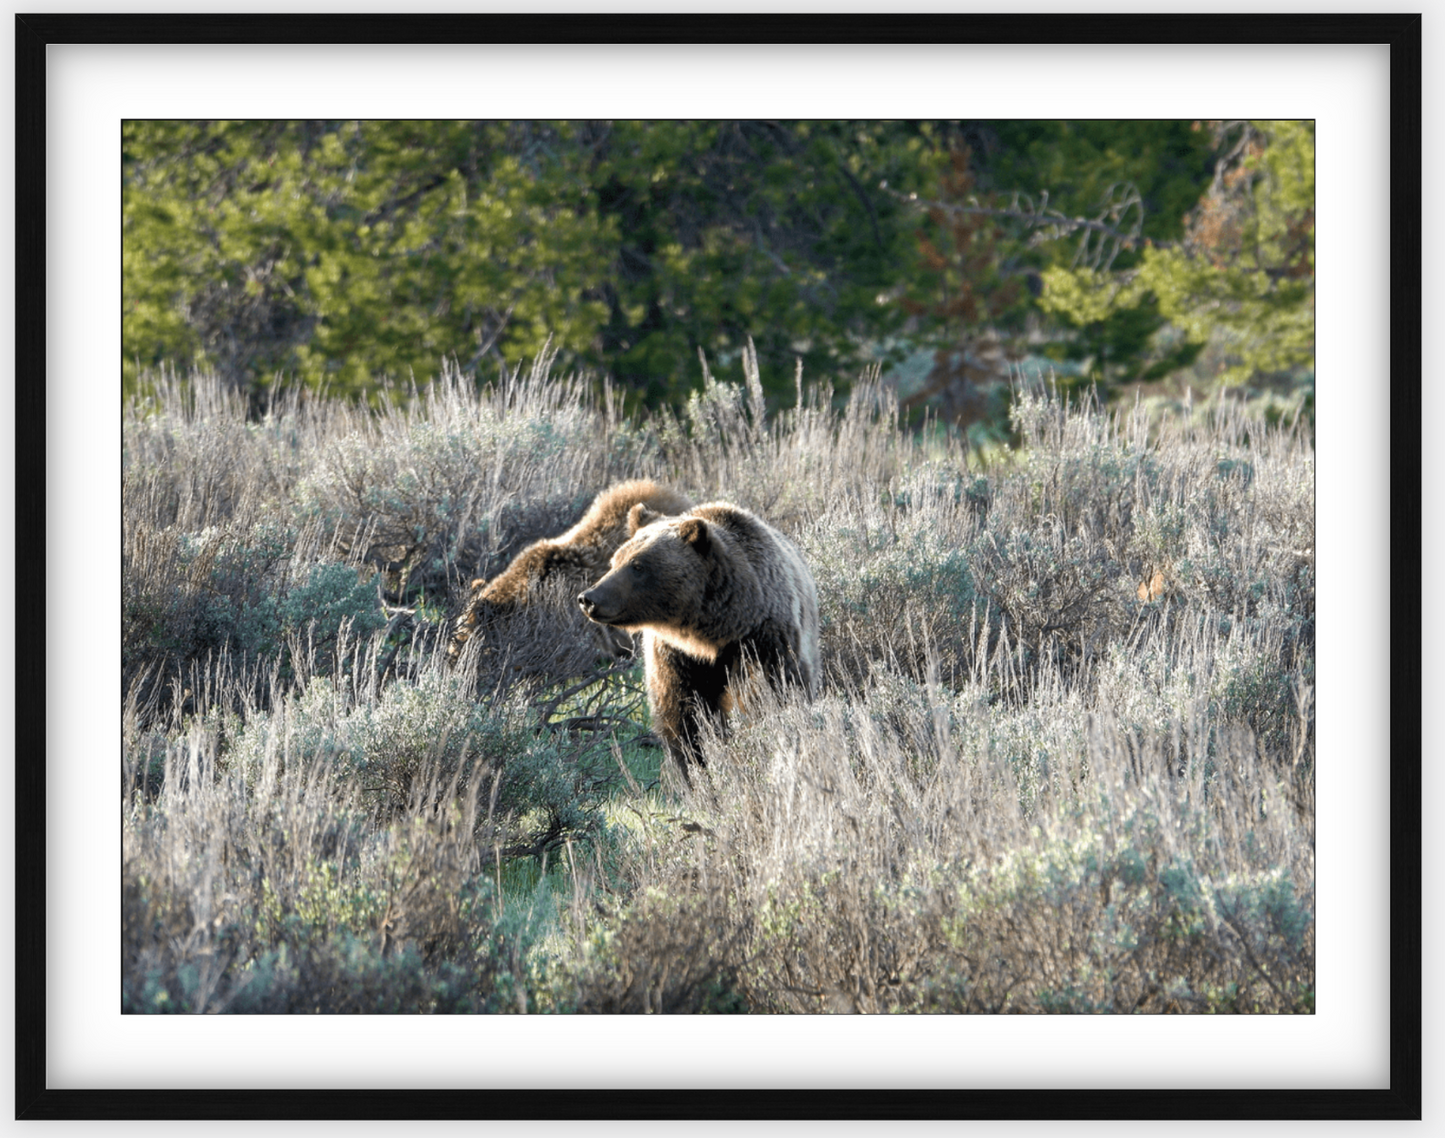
x: 636, y: 569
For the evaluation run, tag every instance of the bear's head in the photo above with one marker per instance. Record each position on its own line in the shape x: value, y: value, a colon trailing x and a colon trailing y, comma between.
x: 640, y: 516
x: 657, y: 578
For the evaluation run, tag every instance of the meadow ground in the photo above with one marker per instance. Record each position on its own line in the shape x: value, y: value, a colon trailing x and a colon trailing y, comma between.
x: 1063, y: 760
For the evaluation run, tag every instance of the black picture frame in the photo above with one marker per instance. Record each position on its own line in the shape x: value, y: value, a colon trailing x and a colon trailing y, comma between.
x: 1402, y: 1100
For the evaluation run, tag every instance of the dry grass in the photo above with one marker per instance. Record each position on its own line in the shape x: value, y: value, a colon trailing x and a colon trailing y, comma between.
x: 1063, y: 761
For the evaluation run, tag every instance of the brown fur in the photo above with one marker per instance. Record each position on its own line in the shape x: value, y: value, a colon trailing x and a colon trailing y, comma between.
x: 713, y: 592
x: 581, y: 555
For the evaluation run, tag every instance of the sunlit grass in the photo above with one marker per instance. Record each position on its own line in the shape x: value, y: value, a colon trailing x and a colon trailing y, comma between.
x: 1063, y: 760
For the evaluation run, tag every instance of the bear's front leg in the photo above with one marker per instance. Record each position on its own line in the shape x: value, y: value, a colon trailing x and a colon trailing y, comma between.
x: 779, y: 657
x: 681, y: 691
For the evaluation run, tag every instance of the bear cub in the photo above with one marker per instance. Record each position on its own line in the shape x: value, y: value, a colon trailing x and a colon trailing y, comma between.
x: 715, y: 592
x: 580, y: 554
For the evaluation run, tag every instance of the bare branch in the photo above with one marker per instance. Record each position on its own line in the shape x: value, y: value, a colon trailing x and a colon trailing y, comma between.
x: 1123, y: 201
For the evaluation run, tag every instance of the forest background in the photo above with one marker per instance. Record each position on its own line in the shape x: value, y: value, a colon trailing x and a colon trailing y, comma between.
x: 1147, y: 257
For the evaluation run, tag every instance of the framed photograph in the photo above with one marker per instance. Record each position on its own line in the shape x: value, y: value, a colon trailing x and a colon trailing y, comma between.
x: 1351, y: 1047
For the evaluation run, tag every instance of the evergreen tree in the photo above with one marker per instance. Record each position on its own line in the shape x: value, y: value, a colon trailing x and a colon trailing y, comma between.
x: 1242, y: 272
x: 341, y: 252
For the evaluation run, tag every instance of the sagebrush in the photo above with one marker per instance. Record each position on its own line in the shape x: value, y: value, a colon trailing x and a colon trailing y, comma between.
x: 1063, y: 760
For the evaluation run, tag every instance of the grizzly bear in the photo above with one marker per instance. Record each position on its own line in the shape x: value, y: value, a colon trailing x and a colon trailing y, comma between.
x: 715, y: 592
x: 578, y: 556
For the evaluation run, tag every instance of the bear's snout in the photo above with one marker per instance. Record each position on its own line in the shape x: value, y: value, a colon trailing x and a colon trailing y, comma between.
x: 595, y: 606
x: 607, y: 602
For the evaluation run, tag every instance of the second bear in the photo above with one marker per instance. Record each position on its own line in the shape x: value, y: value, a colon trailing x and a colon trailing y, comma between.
x: 713, y: 591
x: 580, y: 555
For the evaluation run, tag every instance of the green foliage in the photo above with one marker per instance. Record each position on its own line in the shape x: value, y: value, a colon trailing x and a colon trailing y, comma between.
x: 357, y: 256
x: 241, y: 591
x: 993, y: 225
x: 343, y: 252
x: 1121, y: 334
x: 1081, y: 164
x: 325, y: 599
x: 774, y: 231
x: 1146, y: 171
x: 323, y: 603
x: 1243, y: 275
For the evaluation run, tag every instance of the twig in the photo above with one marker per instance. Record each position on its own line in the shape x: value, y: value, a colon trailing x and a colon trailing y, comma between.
x: 1046, y: 217
x: 550, y: 707
x: 403, y: 619
x: 589, y: 722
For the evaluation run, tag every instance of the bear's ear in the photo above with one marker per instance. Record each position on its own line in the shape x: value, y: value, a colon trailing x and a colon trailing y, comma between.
x: 477, y: 583
x: 694, y: 532
x: 640, y: 516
